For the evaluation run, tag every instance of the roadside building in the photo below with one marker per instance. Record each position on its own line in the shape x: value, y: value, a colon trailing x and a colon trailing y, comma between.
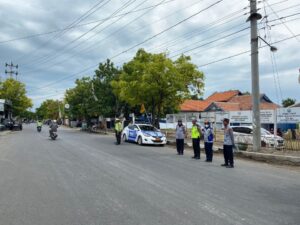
x: 5, y: 111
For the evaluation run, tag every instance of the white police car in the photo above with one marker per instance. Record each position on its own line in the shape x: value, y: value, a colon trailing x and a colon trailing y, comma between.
x: 144, y: 134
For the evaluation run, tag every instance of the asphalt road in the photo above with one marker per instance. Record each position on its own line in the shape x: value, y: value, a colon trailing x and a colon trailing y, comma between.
x: 84, y: 179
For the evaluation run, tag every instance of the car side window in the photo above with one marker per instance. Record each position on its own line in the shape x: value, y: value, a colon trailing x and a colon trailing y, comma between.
x: 135, y: 128
x: 130, y: 127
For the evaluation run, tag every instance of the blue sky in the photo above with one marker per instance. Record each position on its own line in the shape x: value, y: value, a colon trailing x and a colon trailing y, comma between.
x: 49, y: 64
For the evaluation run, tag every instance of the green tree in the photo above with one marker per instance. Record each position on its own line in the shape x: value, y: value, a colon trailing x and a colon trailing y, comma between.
x: 288, y: 102
x: 158, y: 82
x: 15, y: 91
x: 106, y: 101
x: 83, y: 104
x: 49, y: 109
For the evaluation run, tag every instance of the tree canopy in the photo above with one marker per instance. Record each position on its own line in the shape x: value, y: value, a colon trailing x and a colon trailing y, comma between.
x: 49, y: 109
x: 157, y: 82
x: 15, y: 91
x: 288, y: 102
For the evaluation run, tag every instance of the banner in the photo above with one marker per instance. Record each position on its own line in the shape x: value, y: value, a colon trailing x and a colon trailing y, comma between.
x: 288, y: 115
x: 240, y: 117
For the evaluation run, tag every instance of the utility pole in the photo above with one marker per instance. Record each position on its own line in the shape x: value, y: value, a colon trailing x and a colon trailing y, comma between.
x: 254, y: 16
x: 10, y: 70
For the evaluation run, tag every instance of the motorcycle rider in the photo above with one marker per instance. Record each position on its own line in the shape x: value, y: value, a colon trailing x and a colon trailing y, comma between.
x: 53, y: 127
x: 39, y: 123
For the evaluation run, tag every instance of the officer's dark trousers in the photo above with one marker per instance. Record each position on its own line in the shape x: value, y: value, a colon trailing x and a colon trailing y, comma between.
x: 196, y: 147
x: 208, y: 151
x: 180, y: 146
x: 118, y: 137
x: 228, y: 154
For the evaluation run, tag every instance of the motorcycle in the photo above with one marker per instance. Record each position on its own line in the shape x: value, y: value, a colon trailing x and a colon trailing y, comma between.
x: 53, y: 135
x: 39, y: 128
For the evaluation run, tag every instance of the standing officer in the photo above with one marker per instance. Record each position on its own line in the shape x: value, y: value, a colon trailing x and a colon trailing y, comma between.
x: 208, y: 141
x: 180, y: 134
x: 196, y: 134
x: 118, y: 130
x: 228, y: 145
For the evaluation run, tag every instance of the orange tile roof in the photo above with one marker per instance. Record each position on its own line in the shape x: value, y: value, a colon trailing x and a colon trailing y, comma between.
x: 228, y: 106
x: 245, y: 102
x: 194, y: 105
x: 223, y: 96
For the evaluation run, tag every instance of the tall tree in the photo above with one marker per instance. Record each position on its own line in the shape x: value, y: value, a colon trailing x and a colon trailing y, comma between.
x: 106, y: 101
x: 288, y: 102
x: 158, y: 82
x: 81, y: 100
x: 15, y: 91
x: 49, y: 109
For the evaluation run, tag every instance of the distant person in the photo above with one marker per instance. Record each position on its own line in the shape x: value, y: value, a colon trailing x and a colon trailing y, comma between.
x: 39, y: 123
x: 118, y: 130
x: 196, y: 135
x: 208, y: 141
x: 53, y: 127
x: 228, y: 145
x: 180, y: 135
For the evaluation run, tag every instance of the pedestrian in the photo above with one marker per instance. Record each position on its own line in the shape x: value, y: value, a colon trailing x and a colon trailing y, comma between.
x: 196, y: 134
x: 208, y: 141
x: 228, y: 145
x: 118, y: 130
x: 180, y: 134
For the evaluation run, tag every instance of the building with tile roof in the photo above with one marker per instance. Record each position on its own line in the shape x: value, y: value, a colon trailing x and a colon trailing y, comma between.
x: 232, y: 100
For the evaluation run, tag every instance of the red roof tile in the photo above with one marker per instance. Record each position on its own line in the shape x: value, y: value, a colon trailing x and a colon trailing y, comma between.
x: 245, y: 102
x: 194, y: 106
x: 223, y: 96
x: 228, y: 106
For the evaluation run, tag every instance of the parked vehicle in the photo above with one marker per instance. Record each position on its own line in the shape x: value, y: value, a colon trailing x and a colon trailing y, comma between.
x: 144, y: 134
x: 2, y: 127
x: 244, y: 134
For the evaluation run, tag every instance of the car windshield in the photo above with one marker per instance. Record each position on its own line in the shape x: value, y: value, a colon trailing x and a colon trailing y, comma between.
x: 264, y: 131
x: 147, y: 128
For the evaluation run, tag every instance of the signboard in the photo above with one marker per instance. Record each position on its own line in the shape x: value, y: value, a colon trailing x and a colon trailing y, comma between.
x: 267, y: 116
x: 240, y: 117
x: 170, y: 118
x: 288, y: 115
x: 220, y: 116
x: 210, y: 116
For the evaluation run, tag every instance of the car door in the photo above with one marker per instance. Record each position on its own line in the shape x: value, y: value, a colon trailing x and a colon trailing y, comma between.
x: 132, y: 132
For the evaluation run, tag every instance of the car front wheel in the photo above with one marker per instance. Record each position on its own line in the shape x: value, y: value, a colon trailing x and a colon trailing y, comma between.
x: 124, y: 138
x: 140, y: 140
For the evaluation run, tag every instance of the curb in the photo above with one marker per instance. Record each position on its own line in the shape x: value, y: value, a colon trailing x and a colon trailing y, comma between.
x: 262, y: 157
x: 271, y: 158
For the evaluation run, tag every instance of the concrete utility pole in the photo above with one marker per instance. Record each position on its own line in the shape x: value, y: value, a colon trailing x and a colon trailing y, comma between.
x: 254, y: 16
x: 10, y: 70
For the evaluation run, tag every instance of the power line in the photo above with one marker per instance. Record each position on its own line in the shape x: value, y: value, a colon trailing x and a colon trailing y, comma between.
x: 200, y: 66
x: 148, y: 39
x: 111, y: 34
x: 167, y: 29
x: 80, y: 25
x: 88, y: 13
x: 93, y: 46
x: 49, y: 57
x: 283, y: 22
x: 244, y: 52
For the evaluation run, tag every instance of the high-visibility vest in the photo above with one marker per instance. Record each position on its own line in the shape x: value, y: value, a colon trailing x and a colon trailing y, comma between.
x: 118, y: 127
x: 195, y: 132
